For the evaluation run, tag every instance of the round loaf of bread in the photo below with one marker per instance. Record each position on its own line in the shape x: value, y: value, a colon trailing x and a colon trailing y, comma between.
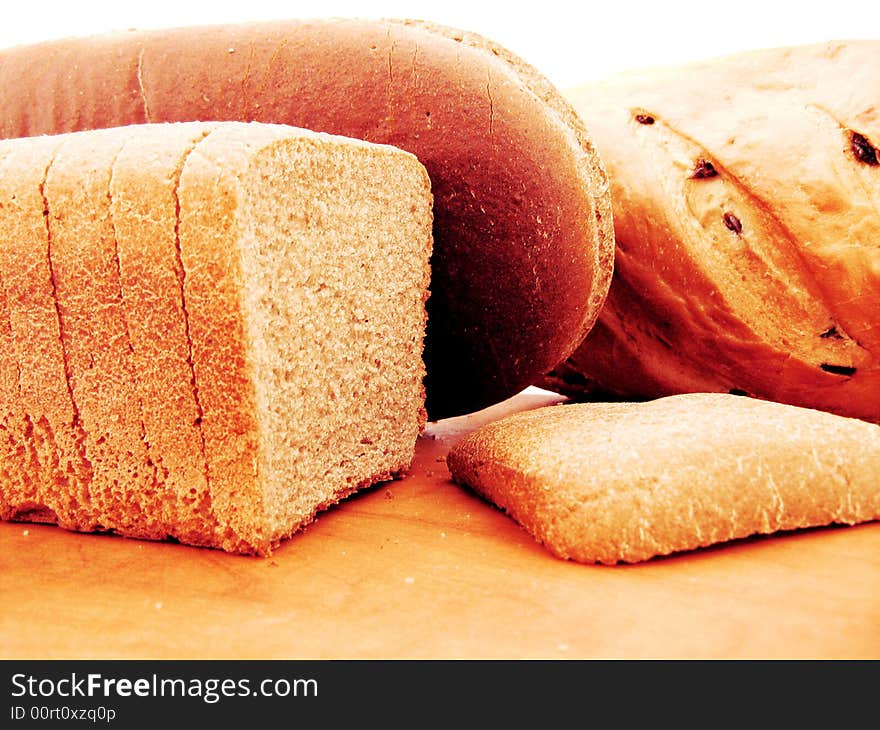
x: 747, y: 214
x: 522, y: 216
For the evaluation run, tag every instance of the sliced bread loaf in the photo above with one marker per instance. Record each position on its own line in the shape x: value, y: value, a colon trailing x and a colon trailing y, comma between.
x: 241, y: 312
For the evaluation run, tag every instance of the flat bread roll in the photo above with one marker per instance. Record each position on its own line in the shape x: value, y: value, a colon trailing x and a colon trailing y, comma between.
x: 624, y: 482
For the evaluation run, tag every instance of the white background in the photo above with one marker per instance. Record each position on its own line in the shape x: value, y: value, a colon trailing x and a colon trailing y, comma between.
x: 569, y: 42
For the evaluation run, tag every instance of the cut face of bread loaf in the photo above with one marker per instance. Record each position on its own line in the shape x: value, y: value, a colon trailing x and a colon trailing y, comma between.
x: 623, y: 482
x: 523, y: 233
x: 746, y: 196
x: 218, y: 326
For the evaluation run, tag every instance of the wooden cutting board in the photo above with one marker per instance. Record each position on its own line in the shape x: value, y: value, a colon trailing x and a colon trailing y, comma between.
x: 423, y: 568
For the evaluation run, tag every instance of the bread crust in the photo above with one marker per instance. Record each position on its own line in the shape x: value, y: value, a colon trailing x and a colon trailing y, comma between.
x: 624, y: 482
x: 60, y: 484
x: 84, y: 258
x: 522, y: 227
x: 144, y: 211
x: 19, y: 467
x: 746, y: 214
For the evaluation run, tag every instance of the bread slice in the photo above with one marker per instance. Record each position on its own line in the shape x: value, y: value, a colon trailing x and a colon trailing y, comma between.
x: 19, y: 465
x: 17, y: 469
x: 94, y: 331
x: 12, y: 469
x: 310, y: 376
x: 143, y: 207
x: 238, y: 314
x: 623, y: 482
x: 58, y: 489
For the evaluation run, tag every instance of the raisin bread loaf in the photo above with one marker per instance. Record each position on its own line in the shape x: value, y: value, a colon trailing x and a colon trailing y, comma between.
x: 746, y: 194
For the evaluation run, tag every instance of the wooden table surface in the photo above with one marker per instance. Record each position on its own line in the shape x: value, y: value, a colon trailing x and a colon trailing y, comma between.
x: 423, y: 568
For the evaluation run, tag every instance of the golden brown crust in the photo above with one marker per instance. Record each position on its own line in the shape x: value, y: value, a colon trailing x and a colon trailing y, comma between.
x: 208, y: 230
x: 590, y: 163
x: 143, y: 199
x: 17, y: 470
x: 623, y: 482
x: 64, y: 473
x: 94, y: 331
x: 523, y: 242
x: 746, y: 214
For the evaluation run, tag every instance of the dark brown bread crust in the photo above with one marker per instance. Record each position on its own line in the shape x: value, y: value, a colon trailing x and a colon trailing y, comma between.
x: 523, y: 239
